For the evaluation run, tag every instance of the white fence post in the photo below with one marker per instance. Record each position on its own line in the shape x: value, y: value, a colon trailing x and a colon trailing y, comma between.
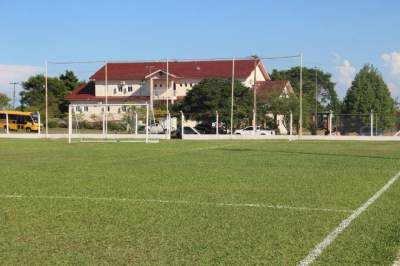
x: 147, y: 123
x: 39, y: 127
x: 7, y: 125
x: 69, y: 123
x: 182, y: 126
x: 136, y: 125
x: 372, y: 123
x: 330, y: 123
x: 217, y: 123
x: 291, y: 124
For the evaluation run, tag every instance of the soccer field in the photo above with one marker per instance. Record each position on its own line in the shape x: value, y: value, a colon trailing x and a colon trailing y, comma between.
x: 182, y: 202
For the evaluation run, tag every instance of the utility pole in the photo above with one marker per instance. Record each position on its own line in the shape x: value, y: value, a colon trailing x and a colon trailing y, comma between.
x: 14, y: 83
x: 316, y: 98
x: 255, y: 95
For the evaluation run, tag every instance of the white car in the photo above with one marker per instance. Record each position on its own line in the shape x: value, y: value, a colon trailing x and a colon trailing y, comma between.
x: 250, y: 131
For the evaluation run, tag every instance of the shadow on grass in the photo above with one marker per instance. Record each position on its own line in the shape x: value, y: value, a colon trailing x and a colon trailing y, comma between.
x: 307, y: 153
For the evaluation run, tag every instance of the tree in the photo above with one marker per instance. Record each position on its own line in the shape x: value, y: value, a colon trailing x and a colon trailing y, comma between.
x: 211, y: 95
x: 327, y: 96
x: 33, y: 94
x: 279, y: 105
x: 313, y: 79
x: 4, y: 101
x: 369, y: 92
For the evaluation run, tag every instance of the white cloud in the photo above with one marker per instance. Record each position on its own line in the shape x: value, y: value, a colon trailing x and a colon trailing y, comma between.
x: 344, y: 74
x: 392, y: 64
x: 392, y: 60
x: 15, y: 73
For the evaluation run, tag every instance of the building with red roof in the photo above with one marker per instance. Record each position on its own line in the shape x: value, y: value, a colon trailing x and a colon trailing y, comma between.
x: 150, y: 81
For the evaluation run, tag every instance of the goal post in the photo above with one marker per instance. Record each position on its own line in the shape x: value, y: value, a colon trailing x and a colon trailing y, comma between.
x: 110, y: 123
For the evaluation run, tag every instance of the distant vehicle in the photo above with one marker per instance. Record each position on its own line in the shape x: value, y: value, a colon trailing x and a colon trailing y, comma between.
x: 258, y: 132
x: 205, y: 128
x: 366, y: 131
x: 27, y: 121
x: 186, y: 130
x: 156, y: 129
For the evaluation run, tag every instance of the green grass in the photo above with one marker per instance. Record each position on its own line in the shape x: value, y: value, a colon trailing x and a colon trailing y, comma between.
x: 330, y: 175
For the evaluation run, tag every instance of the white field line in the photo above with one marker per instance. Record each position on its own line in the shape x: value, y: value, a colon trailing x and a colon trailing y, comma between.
x: 250, y: 205
x: 318, y: 249
x: 397, y: 261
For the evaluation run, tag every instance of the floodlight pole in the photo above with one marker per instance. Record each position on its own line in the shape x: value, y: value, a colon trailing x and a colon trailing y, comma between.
x: 167, y: 86
x: 316, y: 99
x: 46, y: 101
x: 255, y: 96
x: 330, y: 123
x: 291, y: 124
x: 106, y: 86
x: 232, y: 92
x: 301, y: 96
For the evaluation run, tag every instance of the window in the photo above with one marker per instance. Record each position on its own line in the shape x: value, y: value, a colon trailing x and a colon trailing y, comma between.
x: 155, y: 85
x: 123, y: 108
x: 115, y: 91
x: 108, y: 108
x: 120, y: 88
x: 78, y: 109
x: 180, y: 84
x: 191, y: 84
x: 86, y: 108
x: 185, y: 84
x: 160, y: 85
x: 129, y: 88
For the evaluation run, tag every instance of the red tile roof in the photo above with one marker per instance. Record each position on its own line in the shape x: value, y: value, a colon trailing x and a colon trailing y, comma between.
x: 267, y: 88
x: 86, y: 92
x: 185, y: 69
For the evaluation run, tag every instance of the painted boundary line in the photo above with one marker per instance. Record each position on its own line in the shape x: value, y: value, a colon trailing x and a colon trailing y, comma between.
x: 250, y: 205
x: 318, y: 249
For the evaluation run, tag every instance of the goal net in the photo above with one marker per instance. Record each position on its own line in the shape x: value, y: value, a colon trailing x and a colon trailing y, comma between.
x: 110, y: 123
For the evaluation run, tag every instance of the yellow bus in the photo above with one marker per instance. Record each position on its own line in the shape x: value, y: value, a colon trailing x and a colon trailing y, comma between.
x: 17, y: 120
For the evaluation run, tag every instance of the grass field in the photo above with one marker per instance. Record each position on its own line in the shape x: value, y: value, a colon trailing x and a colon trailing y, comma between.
x: 218, y: 202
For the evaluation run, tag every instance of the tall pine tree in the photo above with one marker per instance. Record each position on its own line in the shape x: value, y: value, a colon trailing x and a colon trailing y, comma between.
x: 369, y: 92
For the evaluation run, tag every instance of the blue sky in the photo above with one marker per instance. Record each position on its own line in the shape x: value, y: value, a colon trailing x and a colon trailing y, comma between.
x: 338, y: 36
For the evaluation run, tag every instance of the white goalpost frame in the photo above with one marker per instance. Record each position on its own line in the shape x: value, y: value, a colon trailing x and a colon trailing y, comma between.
x: 104, y: 137
x: 47, y: 63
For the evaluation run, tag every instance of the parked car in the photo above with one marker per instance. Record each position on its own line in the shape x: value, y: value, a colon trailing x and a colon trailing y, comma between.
x: 205, y: 128
x: 250, y: 131
x: 186, y: 130
x: 366, y: 131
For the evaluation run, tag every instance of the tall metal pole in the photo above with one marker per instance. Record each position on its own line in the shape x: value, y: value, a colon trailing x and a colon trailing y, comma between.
x: 106, y: 86
x: 167, y: 85
x: 255, y: 97
x: 46, y: 101
x: 301, y: 96
x: 13, y: 83
x: 232, y: 92
x: 316, y: 98
x: 217, y: 123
